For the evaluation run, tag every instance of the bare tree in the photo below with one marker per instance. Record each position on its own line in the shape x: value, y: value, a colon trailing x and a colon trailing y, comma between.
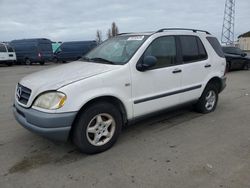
x: 114, y: 31
x: 109, y: 34
x: 98, y: 36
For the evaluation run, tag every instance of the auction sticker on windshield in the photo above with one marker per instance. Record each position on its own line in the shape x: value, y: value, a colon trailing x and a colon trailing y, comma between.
x: 136, y: 38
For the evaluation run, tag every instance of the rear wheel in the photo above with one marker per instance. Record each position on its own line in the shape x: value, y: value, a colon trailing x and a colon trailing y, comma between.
x: 97, y: 128
x: 28, y: 62
x: 9, y: 64
x: 208, y: 100
x: 228, y: 67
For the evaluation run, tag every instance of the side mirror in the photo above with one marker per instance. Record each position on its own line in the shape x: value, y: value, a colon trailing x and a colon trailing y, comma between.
x: 243, y: 54
x: 147, y: 63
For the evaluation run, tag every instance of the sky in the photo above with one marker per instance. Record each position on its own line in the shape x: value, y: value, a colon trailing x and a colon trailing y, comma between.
x: 61, y: 20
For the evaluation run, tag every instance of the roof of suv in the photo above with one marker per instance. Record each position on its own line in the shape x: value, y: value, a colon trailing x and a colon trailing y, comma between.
x: 172, y: 30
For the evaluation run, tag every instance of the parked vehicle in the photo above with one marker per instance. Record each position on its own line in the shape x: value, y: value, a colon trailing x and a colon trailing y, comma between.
x: 30, y: 51
x: 236, y: 58
x: 7, y: 54
x: 127, y: 77
x: 55, y: 46
x: 72, y: 51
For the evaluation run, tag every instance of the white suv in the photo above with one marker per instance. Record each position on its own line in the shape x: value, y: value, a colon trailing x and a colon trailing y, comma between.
x: 7, y: 54
x: 126, y: 77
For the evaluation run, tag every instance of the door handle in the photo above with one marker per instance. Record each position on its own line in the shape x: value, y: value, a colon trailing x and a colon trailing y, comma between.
x: 177, y: 71
x: 208, y: 66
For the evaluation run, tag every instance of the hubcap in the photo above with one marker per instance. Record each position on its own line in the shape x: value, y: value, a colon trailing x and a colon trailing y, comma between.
x: 210, y: 100
x: 100, y: 129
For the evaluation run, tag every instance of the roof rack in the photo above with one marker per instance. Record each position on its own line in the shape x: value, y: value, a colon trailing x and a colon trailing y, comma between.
x: 182, y: 29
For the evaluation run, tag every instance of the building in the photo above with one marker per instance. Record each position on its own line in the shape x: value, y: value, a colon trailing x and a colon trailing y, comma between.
x: 244, y: 41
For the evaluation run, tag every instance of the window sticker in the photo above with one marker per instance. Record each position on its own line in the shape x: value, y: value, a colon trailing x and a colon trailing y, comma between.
x: 136, y: 38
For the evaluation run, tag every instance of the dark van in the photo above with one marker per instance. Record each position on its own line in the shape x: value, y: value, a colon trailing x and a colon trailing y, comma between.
x: 72, y: 51
x: 30, y: 51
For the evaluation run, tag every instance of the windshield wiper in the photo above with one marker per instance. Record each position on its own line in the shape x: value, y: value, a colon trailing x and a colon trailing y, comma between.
x: 99, y: 59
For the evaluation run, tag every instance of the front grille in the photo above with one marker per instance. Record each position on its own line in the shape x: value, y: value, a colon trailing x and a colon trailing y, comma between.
x: 23, y: 94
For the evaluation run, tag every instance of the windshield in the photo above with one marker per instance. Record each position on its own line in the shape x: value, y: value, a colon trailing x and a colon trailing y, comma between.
x: 232, y: 50
x: 118, y: 50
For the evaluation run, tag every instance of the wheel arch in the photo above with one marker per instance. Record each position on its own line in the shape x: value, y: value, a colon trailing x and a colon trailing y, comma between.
x: 111, y: 99
x: 217, y: 81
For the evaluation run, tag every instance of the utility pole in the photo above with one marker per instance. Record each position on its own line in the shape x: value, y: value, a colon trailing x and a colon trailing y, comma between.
x: 227, y: 36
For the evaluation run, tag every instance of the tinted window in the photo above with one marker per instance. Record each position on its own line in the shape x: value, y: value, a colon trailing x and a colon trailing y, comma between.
x: 216, y: 46
x: 2, y: 48
x: 164, y: 49
x: 192, y: 49
x: 202, y: 51
x: 232, y: 50
x: 10, y: 49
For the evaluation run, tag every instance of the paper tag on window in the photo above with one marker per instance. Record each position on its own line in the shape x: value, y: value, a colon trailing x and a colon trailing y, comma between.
x: 136, y: 38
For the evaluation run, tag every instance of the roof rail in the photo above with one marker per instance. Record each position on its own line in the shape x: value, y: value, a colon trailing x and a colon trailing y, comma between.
x: 182, y: 29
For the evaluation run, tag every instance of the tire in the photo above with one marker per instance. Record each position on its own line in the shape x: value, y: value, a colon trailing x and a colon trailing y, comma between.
x: 9, y: 64
x: 55, y: 60
x: 228, y: 67
x: 246, y: 66
x: 89, y: 131
x: 42, y: 63
x: 28, y: 62
x: 203, y: 105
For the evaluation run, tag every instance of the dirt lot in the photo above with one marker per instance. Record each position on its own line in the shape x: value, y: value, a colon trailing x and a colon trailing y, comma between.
x: 177, y: 149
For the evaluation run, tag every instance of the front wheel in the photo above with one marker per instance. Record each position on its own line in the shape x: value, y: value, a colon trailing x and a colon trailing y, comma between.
x: 9, y: 64
x: 208, y: 100
x: 97, y: 128
x: 246, y: 66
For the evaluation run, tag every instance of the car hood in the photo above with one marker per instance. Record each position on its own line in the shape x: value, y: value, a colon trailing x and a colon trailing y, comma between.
x: 60, y: 76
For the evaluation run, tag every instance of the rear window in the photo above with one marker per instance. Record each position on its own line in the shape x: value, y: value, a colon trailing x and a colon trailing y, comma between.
x: 216, y: 46
x: 2, y: 48
x: 231, y: 50
x: 10, y: 49
x: 192, y: 49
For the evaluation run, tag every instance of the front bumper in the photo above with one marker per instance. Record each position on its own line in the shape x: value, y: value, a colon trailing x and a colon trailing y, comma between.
x: 53, y: 126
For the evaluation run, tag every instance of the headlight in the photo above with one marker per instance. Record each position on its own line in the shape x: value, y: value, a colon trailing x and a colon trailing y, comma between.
x: 50, y: 100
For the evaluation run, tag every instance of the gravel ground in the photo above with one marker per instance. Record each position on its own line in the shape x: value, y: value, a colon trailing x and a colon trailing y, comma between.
x: 177, y: 149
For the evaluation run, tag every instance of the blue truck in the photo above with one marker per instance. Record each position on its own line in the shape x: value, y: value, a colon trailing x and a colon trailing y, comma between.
x: 72, y: 51
x: 28, y: 51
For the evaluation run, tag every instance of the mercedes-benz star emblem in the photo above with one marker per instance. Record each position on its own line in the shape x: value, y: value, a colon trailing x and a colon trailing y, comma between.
x: 18, y: 92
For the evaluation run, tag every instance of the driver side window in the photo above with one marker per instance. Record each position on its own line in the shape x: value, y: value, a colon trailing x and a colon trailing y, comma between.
x: 164, y: 49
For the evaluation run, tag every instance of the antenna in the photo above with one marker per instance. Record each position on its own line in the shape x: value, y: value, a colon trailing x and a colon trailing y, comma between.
x: 227, y: 36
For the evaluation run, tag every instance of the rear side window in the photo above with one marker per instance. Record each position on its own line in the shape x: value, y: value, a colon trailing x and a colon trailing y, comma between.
x: 2, y: 48
x: 192, y: 49
x: 216, y: 46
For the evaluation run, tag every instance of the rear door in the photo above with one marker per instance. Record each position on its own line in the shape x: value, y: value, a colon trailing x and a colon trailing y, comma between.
x: 45, y: 51
x: 3, y: 53
x: 11, y: 53
x: 195, y: 67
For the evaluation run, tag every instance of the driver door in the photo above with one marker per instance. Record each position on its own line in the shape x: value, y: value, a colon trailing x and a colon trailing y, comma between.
x: 157, y: 88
